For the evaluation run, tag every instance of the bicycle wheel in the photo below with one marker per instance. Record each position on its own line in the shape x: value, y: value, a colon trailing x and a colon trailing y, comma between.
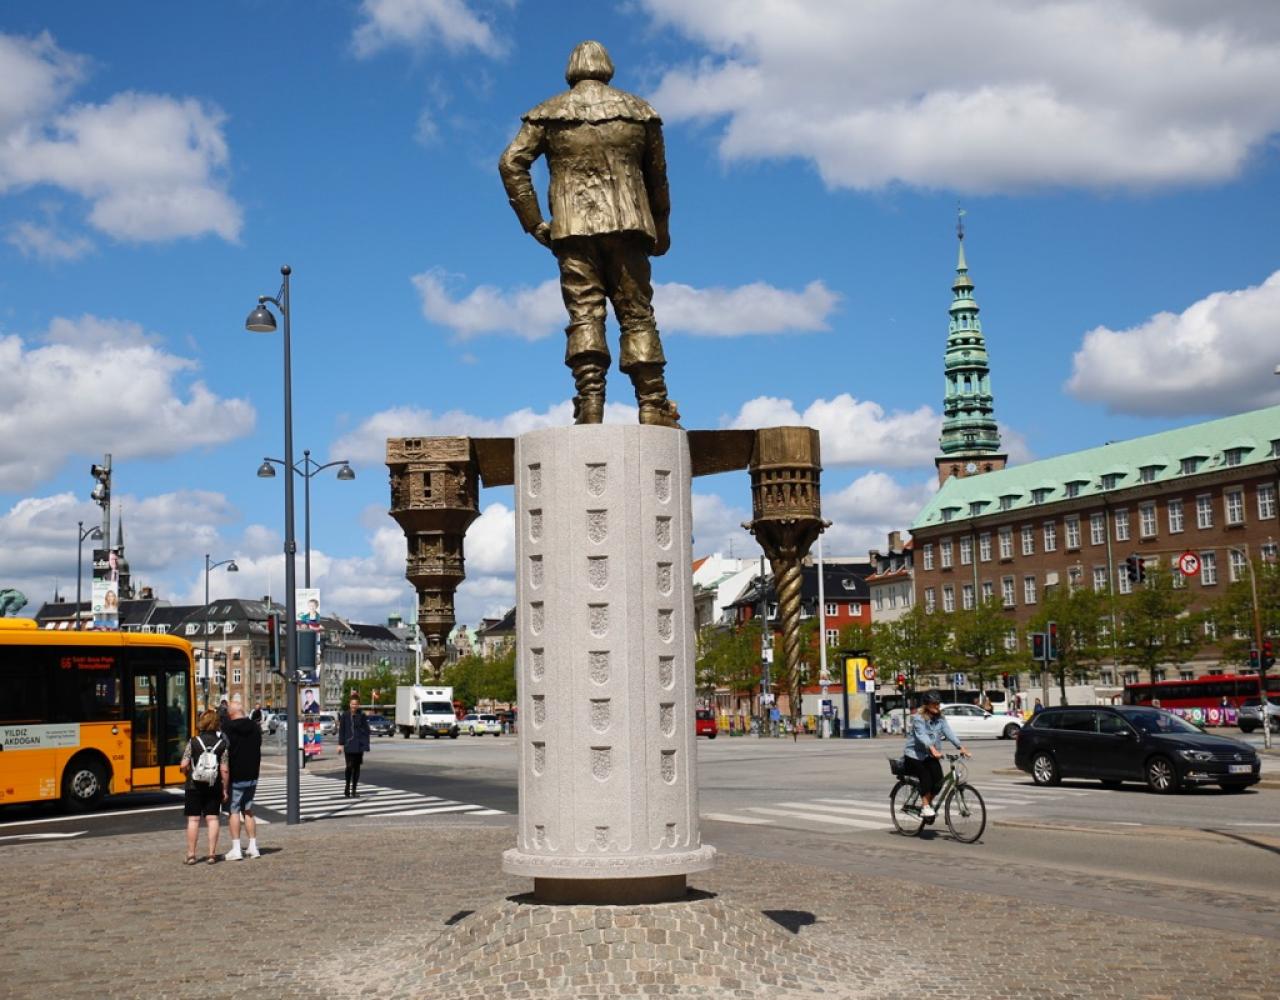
x: 966, y: 814
x: 906, y: 796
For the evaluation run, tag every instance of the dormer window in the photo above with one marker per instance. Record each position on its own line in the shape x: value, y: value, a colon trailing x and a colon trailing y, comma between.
x: 1072, y: 490
x: 1006, y: 501
x: 1148, y: 473
x: 948, y: 513
x: 1110, y: 480
x: 1275, y: 447
x: 1190, y: 466
x: 1040, y: 495
x: 1234, y: 456
x: 975, y: 508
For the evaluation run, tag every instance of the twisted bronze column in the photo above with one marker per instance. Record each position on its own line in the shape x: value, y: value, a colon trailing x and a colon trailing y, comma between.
x: 786, y: 507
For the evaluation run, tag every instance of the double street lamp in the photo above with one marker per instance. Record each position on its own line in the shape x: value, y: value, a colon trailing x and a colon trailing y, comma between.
x: 262, y: 320
x: 208, y: 567
x: 307, y: 468
x: 96, y: 534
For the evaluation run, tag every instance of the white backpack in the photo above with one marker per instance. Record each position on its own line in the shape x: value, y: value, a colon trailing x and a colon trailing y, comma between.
x: 205, y: 770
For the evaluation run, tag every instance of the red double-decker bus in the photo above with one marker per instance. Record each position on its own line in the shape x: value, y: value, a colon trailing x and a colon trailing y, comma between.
x: 1201, y: 700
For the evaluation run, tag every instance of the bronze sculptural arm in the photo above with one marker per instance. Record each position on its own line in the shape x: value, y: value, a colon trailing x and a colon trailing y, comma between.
x: 655, y: 181
x: 513, y: 166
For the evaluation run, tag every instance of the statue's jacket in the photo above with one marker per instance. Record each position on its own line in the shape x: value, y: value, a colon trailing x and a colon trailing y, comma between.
x: 607, y: 161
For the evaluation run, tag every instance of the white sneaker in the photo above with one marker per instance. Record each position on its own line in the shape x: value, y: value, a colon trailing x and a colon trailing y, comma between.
x: 927, y: 812
x: 252, y: 852
x: 233, y: 854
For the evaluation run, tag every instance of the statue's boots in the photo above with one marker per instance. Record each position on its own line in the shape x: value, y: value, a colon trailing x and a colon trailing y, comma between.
x: 651, y: 395
x: 589, y: 372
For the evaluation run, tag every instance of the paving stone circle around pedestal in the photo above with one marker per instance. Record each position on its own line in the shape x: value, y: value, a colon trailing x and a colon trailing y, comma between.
x: 702, y: 946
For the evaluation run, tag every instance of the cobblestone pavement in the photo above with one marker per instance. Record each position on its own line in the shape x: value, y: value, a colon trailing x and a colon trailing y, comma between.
x: 351, y: 910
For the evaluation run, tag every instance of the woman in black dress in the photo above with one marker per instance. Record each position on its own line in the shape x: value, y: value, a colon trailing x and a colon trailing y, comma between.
x: 353, y: 737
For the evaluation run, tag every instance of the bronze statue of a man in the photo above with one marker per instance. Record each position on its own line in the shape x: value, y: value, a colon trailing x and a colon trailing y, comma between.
x: 609, y: 207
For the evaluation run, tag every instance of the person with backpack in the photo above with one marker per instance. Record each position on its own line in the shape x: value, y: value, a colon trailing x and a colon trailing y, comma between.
x: 353, y: 737
x: 208, y: 783
x: 244, y: 762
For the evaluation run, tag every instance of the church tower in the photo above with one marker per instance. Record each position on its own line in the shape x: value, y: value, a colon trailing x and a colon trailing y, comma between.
x: 970, y: 441
x: 124, y: 588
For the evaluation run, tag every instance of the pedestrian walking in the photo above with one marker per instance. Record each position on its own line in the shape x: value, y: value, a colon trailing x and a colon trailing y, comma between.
x: 204, y: 762
x: 1037, y: 708
x: 244, y: 763
x: 353, y: 737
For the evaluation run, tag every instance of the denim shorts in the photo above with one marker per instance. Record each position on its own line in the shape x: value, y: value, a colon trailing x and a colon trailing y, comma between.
x: 242, y: 796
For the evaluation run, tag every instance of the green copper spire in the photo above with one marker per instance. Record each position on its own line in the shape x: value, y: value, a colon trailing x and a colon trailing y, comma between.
x: 970, y: 436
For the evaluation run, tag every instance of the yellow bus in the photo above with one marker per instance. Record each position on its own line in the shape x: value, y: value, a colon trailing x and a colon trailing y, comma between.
x: 87, y: 714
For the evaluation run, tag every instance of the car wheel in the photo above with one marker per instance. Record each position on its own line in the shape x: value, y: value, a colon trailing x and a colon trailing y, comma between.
x: 711, y: 736
x: 1010, y: 731
x: 453, y: 735
x: 84, y: 784
x: 1044, y: 769
x: 1162, y: 776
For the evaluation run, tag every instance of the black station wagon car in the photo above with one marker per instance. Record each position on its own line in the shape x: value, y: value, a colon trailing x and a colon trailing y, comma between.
x: 1131, y: 743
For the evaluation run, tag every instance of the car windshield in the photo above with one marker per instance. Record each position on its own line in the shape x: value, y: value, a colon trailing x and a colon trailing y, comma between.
x: 436, y: 708
x: 1150, y: 720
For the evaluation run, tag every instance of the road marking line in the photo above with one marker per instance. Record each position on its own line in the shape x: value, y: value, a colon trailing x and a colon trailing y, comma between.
x: 462, y: 807
x: 731, y: 818
x: 861, y: 824
x: 878, y: 811
x: 88, y: 816
x: 44, y: 836
x: 880, y: 807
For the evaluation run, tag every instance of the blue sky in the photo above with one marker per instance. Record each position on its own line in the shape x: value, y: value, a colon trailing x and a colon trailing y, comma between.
x: 1116, y: 158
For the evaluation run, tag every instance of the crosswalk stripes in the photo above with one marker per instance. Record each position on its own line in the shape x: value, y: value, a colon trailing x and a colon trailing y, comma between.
x: 319, y: 798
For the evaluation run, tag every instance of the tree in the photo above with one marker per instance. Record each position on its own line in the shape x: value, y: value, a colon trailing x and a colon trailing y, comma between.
x: 497, y: 677
x: 1232, y: 613
x: 384, y: 679
x: 729, y: 657
x: 978, y: 641
x: 1079, y: 615
x: 915, y: 643
x: 1154, y: 627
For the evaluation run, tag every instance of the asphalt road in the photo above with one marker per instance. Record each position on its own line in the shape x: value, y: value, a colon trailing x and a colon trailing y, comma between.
x: 1203, y: 857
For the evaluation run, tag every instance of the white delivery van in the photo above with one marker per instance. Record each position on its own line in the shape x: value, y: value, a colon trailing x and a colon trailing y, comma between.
x: 424, y: 711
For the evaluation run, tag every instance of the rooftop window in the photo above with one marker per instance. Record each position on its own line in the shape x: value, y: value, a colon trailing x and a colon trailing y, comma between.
x: 1040, y: 495
x: 1110, y: 480
x: 1189, y: 466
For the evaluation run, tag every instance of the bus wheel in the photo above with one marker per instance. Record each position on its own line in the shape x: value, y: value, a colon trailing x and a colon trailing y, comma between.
x: 84, y: 784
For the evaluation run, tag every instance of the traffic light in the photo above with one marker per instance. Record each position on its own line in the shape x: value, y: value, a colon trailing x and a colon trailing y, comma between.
x: 1132, y: 568
x: 902, y: 682
x: 1268, y: 655
x: 1142, y: 569
x: 1039, y: 643
x: 1004, y: 681
x: 1051, y: 642
x: 1255, y: 658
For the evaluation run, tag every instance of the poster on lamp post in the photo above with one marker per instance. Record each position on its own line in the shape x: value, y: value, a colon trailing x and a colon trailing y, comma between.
x: 307, y: 601
x: 106, y: 603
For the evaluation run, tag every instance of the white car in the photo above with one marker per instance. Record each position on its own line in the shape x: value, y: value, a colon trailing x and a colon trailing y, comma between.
x: 479, y: 725
x: 971, y: 722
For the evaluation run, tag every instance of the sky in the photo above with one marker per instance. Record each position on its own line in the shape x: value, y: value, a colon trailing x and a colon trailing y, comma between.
x: 1116, y: 160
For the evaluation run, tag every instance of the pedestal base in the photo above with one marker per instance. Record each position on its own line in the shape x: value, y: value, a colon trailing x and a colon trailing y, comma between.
x: 609, y: 891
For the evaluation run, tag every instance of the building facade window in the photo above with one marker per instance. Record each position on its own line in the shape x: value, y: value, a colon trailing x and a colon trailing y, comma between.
x: 1266, y: 502
x: 833, y: 609
x: 1233, y: 456
x: 1050, y: 537
x: 1147, y: 520
x: 1121, y: 519
x: 1028, y: 540
x: 1006, y: 543
x: 1234, y: 502
x: 1073, y: 532
x: 855, y: 610
x: 1011, y: 641
x: 1176, y: 519
x: 1072, y: 490
x: 1211, y: 630
x: 1028, y: 590
x: 1097, y: 529
x: 988, y: 591
x: 1204, y: 511
x: 926, y: 556
x: 1006, y: 503
x: 944, y: 553
x: 1122, y: 578
x: 984, y: 546
x: 1235, y: 565
x: 833, y: 637
x: 237, y: 677
x: 1147, y: 473
x: 948, y: 598
x: 1006, y: 592
x: 1208, y: 568
x: 1100, y: 579
x: 966, y: 551
x: 966, y: 597
x: 1110, y: 481
x: 1189, y: 466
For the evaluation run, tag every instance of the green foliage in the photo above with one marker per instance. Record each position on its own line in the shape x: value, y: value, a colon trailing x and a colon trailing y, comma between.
x: 475, y: 679
x: 1082, y: 643
x: 729, y: 657
x: 916, y: 643
x: 1233, y: 611
x: 977, y: 642
x: 1153, y: 625
x: 384, y: 679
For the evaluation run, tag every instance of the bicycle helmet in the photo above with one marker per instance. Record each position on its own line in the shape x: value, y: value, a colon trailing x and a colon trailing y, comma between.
x: 930, y: 698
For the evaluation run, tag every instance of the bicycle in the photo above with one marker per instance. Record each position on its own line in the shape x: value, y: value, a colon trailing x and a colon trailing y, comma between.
x: 959, y: 802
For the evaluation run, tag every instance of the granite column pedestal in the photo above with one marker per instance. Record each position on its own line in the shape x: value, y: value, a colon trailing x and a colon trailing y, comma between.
x: 605, y: 665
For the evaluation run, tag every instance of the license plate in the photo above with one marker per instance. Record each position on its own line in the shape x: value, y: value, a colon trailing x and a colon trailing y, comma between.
x: 1240, y: 768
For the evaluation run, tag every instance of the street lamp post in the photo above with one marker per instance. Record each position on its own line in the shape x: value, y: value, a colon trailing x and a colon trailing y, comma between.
x: 95, y: 533
x: 261, y: 320
x: 307, y: 469
x: 209, y: 566
x: 1257, y: 644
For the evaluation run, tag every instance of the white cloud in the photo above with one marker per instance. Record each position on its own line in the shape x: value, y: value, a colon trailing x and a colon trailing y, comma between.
x: 534, y: 313
x: 418, y: 23
x: 986, y: 96
x: 1216, y: 356
x: 116, y: 390
x: 44, y: 243
x: 863, y: 513
x: 151, y: 166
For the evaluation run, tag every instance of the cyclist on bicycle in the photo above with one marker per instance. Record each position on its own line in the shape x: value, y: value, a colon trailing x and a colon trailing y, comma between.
x: 924, y: 739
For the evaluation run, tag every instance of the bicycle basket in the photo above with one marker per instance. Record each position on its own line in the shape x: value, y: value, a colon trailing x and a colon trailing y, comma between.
x: 898, y: 765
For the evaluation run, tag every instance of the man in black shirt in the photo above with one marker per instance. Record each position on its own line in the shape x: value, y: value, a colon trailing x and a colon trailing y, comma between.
x: 245, y: 760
